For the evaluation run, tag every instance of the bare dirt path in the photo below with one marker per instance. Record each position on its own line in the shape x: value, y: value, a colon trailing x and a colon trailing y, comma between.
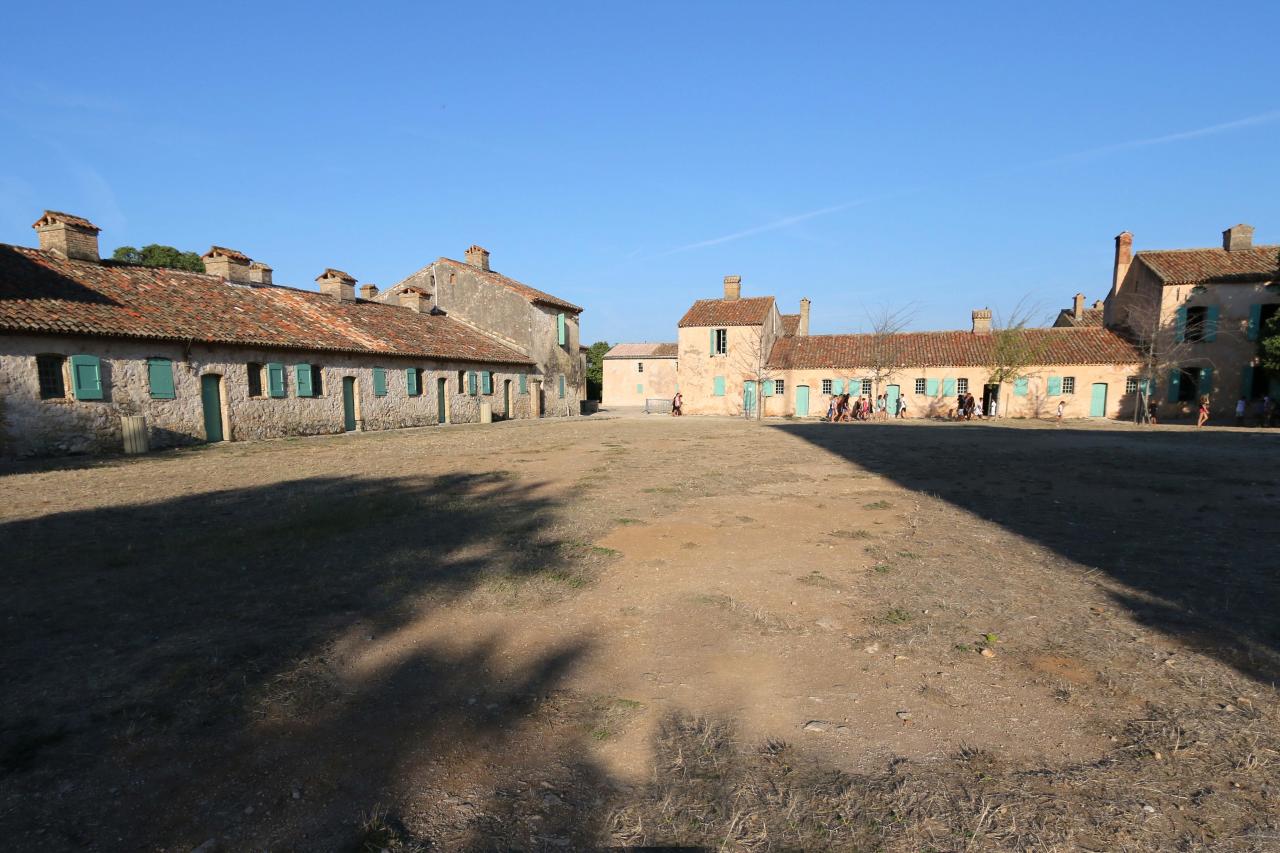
x: 647, y: 630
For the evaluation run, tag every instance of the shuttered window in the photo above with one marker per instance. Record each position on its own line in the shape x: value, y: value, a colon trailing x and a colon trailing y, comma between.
x: 561, y: 386
x: 1180, y: 325
x: 50, y: 371
x: 1211, y: 323
x: 948, y: 387
x: 471, y: 383
x: 524, y: 383
x: 379, y: 382
x: 413, y: 381
x: 639, y: 388
x: 560, y: 329
x: 86, y: 377
x: 275, y: 379
x: 718, y: 386
x: 487, y: 384
x: 931, y: 387
x: 1255, y: 322
x: 253, y: 370
x: 302, y: 374
x: 160, y: 379
x: 1020, y: 386
x: 766, y: 387
x: 1053, y: 386
x: 837, y: 386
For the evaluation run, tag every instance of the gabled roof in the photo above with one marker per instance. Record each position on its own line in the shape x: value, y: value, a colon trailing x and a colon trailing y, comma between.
x: 1088, y: 317
x: 51, y: 216
x: 1190, y: 266
x: 949, y: 349
x: 728, y: 312
x: 530, y: 293
x: 43, y: 293
x: 224, y: 252
x: 643, y: 351
x: 790, y: 324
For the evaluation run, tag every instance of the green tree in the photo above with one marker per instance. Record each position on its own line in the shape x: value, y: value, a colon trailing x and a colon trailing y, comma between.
x: 156, y: 255
x: 595, y: 369
x: 1270, y: 344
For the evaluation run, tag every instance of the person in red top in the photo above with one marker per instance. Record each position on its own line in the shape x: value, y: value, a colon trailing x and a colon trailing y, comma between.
x: 1203, y: 417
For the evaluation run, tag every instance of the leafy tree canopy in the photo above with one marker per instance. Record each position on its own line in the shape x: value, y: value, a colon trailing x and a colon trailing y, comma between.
x: 595, y: 369
x: 156, y: 255
x: 1270, y: 344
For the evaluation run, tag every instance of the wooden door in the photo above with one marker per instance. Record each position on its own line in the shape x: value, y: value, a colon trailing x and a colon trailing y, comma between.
x: 802, y: 401
x: 349, y: 403
x: 442, y: 388
x: 211, y: 399
x: 1098, y: 400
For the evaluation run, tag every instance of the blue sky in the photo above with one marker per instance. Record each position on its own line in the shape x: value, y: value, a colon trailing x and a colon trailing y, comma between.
x: 628, y: 156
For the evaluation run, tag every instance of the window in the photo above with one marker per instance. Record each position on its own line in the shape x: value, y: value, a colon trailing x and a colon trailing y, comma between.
x: 275, y: 379
x: 826, y: 386
x: 639, y: 367
x: 160, y: 379
x: 1068, y: 385
x: 379, y: 382
x: 719, y: 341
x: 962, y: 385
x: 778, y: 386
x: 524, y: 383
x: 462, y: 381
x: 317, y: 381
x: 51, y: 370
x: 561, y: 386
x: 866, y: 387
x: 1195, y: 326
x: 1131, y: 385
x: 561, y: 334
x: 86, y: 377
x: 472, y: 387
x: 413, y: 381
x: 255, y: 378
x: 1021, y: 386
x: 717, y: 386
x: 486, y: 381
x: 919, y: 386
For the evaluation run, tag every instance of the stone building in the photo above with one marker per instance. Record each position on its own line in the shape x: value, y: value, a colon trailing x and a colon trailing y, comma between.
x: 1197, y: 315
x: 634, y: 373
x: 225, y: 355
x: 530, y: 321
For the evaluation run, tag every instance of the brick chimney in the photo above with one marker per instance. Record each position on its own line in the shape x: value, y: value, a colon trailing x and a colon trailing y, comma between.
x: 982, y: 321
x: 732, y: 287
x: 1238, y: 238
x: 415, y: 300
x: 1098, y: 304
x: 1124, y: 257
x: 369, y: 292
x: 802, y: 328
x: 259, y: 273
x: 67, y: 236
x: 478, y: 257
x: 227, y: 264
x: 337, y: 285
x: 1077, y: 309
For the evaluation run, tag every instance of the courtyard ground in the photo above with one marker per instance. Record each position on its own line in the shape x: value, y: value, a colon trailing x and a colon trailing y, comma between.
x: 561, y: 635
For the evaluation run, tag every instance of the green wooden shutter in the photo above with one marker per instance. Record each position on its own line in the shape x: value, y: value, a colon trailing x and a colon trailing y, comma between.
x: 718, y: 386
x: 561, y: 386
x: 1020, y: 386
x: 1246, y: 381
x: 471, y: 383
x: 379, y: 382
x: 524, y: 383
x: 948, y: 387
x: 303, y: 374
x: 1211, y: 323
x: 560, y: 328
x: 160, y: 378
x: 86, y: 377
x: 712, y: 350
x: 1053, y: 386
x: 486, y: 381
x: 275, y: 379
x: 1255, y: 322
x: 1180, y: 325
x: 1175, y: 379
x: 767, y: 387
x: 411, y: 381
x: 837, y: 386
x: 931, y: 387
x: 639, y: 388
x: 1206, y: 380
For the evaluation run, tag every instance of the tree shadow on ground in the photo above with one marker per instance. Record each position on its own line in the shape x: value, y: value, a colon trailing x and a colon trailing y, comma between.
x: 1186, y: 522
x: 179, y: 671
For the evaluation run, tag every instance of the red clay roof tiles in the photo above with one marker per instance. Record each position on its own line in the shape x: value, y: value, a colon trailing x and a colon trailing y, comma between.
x: 43, y: 293
x: 51, y: 216
x: 645, y: 350
x: 790, y: 324
x: 1189, y: 266
x: 950, y: 349
x: 751, y: 311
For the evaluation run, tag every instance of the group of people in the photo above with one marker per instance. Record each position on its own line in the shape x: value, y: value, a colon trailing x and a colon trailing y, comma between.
x: 842, y: 408
x: 966, y: 408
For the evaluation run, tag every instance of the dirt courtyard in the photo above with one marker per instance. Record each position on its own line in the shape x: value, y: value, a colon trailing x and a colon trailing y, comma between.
x: 648, y: 631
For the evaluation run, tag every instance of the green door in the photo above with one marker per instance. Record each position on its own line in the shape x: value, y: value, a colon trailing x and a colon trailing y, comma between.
x: 441, y: 385
x: 802, y: 401
x: 211, y: 398
x: 1098, y: 400
x: 349, y: 403
x: 749, y: 397
x: 891, y: 393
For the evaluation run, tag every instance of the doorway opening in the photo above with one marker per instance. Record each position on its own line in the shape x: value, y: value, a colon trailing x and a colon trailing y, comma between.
x: 211, y: 402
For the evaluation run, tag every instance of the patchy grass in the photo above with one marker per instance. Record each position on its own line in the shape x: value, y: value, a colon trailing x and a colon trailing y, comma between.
x: 880, y: 504
x: 897, y: 616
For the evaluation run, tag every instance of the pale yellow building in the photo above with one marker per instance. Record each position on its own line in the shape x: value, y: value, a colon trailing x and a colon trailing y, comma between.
x: 637, y: 373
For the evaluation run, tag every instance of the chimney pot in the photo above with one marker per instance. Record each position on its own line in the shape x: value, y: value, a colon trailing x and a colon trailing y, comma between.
x: 478, y: 257
x: 337, y: 285
x: 415, y: 300
x: 802, y: 328
x: 732, y: 287
x: 369, y: 292
x: 1078, y: 306
x: 259, y: 273
x: 68, y: 236
x: 1098, y: 304
x: 1124, y: 257
x: 1238, y: 238
x: 227, y: 263
x: 982, y: 321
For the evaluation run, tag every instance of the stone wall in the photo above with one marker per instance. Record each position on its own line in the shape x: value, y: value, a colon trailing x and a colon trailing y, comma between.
x: 30, y: 426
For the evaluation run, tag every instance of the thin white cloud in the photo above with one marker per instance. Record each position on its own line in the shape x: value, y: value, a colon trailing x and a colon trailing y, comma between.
x: 786, y: 221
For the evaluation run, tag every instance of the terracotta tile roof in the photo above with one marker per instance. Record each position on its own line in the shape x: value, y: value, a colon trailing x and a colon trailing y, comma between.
x: 1089, y: 317
x: 44, y: 293
x: 643, y: 351
x: 1093, y: 345
x: 734, y: 312
x: 790, y: 323
x: 1188, y: 266
x: 223, y: 251
x: 52, y: 216
x: 530, y: 293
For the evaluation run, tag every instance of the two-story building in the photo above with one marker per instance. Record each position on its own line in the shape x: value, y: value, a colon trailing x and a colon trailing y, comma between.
x: 536, y: 324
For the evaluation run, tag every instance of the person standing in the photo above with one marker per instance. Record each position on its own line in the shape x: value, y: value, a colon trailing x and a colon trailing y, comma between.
x: 1062, y: 407
x: 677, y: 405
x: 1241, y: 404
x: 1202, y: 417
x: 902, y: 407
x: 1153, y: 411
